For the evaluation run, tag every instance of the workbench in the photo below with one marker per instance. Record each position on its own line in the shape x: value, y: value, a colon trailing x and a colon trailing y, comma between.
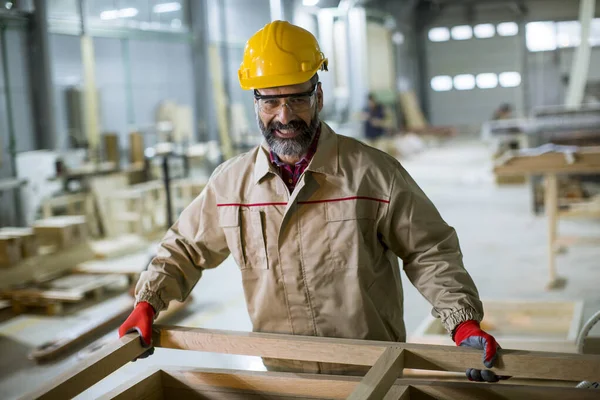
x: 556, y: 161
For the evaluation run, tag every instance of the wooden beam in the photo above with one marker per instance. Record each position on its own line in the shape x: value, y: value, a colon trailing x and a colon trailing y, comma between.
x: 398, y: 392
x: 147, y: 386
x: 276, y: 384
x: 92, y: 370
x: 265, y: 383
x: 517, y: 363
x: 381, y: 376
x: 428, y: 390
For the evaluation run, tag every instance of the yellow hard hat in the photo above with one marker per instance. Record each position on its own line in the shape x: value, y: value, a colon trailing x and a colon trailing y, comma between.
x: 280, y: 54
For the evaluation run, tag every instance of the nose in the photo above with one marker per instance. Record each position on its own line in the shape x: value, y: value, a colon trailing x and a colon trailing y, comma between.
x: 285, y: 114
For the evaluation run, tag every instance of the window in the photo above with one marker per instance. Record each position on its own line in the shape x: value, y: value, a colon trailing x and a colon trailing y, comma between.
x: 442, y: 83
x: 439, y: 34
x: 462, y: 32
x: 568, y: 33
x: 541, y: 36
x: 487, y: 81
x: 510, y: 79
x: 595, y: 32
x: 464, y: 82
x: 507, y: 29
x: 483, y: 31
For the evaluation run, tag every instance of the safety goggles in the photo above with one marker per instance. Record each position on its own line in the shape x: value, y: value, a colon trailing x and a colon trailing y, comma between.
x: 296, y: 102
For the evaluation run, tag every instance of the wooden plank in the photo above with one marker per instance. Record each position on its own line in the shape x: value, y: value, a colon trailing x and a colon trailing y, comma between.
x: 398, y: 392
x: 517, y: 363
x: 381, y: 376
x: 80, y: 334
x: 428, y: 390
x: 274, y: 384
x: 265, y: 383
x: 551, y: 208
x: 91, y: 371
x: 145, y: 386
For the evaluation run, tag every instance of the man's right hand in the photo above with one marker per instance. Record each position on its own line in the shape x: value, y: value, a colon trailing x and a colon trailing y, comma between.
x: 140, y: 320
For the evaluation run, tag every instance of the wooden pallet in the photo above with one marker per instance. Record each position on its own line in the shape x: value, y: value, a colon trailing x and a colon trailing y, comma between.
x: 56, y: 295
x: 531, y: 372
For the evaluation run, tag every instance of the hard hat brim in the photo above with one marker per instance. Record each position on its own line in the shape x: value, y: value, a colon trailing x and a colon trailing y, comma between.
x: 264, y: 82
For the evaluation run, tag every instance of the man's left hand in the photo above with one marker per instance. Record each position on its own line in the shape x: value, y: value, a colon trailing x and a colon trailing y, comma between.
x: 470, y: 334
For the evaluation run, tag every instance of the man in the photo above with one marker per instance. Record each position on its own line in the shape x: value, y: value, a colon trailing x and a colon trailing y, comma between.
x: 374, y: 116
x: 316, y: 222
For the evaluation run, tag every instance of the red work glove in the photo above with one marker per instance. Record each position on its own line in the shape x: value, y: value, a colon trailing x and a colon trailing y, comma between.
x: 470, y: 334
x: 140, y: 320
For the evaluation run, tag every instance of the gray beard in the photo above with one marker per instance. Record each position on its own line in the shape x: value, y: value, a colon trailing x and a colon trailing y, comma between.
x: 294, y: 147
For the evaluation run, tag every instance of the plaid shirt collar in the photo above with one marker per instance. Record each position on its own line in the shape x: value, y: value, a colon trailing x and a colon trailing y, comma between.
x: 304, y: 161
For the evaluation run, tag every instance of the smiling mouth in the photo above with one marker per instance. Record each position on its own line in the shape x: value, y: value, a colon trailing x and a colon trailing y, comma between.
x: 286, y: 134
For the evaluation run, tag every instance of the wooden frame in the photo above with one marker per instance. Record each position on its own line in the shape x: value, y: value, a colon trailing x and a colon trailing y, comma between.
x: 585, y: 160
x: 530, y: 370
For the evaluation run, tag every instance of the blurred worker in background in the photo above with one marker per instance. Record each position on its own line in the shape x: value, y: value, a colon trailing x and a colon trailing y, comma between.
x: 503, y: 112
x: 374, y: 117
x: 316, y: 223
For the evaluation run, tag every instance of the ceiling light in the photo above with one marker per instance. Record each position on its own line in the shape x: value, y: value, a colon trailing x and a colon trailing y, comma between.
x: 310, y: 3
x: 464, y: 82
x: 507, y: 29
x: 122, y: 13
x: 462, y: 32
x: 166, y: 7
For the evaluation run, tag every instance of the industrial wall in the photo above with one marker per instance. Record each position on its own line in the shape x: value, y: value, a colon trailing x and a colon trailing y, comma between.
x: 542, y: 73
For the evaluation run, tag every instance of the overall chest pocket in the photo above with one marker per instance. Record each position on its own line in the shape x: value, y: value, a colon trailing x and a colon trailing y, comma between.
x: 245, y: 233
x: 351, y: 231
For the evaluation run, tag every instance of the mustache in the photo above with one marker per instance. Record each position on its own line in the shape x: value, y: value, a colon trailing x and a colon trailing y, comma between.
x: 296, y: 125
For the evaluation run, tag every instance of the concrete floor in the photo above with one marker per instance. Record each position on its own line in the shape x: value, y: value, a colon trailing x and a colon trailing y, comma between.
x: 503, y: 243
